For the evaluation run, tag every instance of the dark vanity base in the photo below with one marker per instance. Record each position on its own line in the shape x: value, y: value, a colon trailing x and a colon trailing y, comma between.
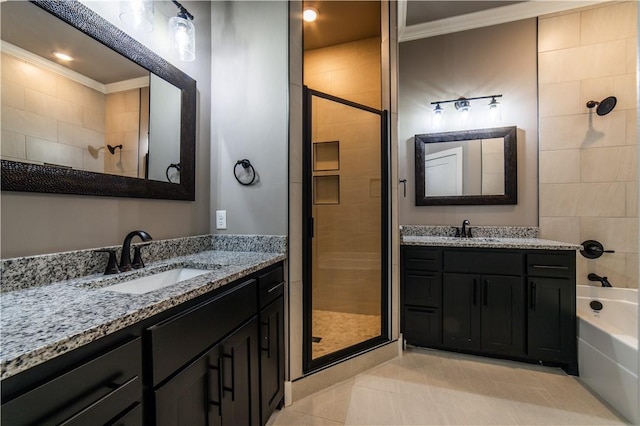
x: 503, y: 303
x: 217, y: 359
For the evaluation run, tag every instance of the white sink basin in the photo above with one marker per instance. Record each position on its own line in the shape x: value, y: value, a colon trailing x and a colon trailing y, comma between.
x: 156, y: 281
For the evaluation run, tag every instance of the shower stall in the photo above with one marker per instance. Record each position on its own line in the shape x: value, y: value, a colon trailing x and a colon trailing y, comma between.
x: 346, y: 241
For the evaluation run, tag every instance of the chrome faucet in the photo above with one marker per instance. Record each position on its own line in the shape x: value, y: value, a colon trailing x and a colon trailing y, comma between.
x: 125, y: 257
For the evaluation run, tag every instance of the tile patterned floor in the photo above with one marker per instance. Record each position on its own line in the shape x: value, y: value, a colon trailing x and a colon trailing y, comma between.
x: 339, y: 330
x: 425, y: 387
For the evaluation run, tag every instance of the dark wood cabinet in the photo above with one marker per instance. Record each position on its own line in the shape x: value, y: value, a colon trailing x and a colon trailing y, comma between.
x: 552, y: 309
x: 271, y: 298
x: 483, y: 312
x: 215, y: 360
x: 104, y: 390
x: 218, y: 388
x: 518, y: 304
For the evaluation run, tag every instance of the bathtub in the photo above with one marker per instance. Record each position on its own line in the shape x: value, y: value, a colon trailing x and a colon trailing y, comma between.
x: 608, y: 346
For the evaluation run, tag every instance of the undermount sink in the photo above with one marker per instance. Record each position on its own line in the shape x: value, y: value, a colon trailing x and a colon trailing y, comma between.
x: 156, y: 281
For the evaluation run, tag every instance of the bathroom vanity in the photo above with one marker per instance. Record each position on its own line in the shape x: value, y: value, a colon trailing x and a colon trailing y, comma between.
x: 502, y: 297
x: 206, y: 350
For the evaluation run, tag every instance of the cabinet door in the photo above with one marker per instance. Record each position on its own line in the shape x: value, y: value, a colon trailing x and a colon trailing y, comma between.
x: 502, y: 318
x: 422, y: 326
x: 461, y: 311
x: 552, y: 324
x: 240, y: 380
x: 192, y: 397
x: 271, y: 357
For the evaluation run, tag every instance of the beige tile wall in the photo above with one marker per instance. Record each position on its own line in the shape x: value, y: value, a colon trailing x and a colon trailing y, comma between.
x: 47, y: 118
x: 122, y: 123
x: 347, y: 244
x: 588, y: 163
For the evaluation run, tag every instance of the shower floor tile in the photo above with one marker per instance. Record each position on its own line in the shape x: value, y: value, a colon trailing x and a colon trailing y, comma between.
x: 339, y: 330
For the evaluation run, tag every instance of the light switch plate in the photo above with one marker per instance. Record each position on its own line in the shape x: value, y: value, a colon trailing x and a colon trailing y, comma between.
x: 221, y: 219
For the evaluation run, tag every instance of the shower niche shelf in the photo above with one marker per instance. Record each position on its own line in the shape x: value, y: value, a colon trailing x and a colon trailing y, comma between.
x: 326, y: 189
x: 326, y: 156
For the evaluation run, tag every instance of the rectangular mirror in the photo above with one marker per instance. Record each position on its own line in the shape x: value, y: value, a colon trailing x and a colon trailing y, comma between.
x: 470, y: 167
x: 117, y: 120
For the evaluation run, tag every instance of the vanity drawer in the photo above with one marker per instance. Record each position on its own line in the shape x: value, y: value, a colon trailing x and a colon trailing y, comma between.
x: 422, y: 288
x: 421, y: 259
x: 422, y: 326
x: 177, y: 340
x: 271, y: 286
x: 554, y: 265
x: 483, y: 262
x: 101, y: 389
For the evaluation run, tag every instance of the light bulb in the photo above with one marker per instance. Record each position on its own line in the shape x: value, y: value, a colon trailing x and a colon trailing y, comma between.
x: 310, y: 14
x: 495, y: 113
x: 62, y: 56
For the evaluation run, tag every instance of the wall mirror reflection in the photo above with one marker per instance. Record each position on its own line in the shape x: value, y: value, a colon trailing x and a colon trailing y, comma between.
x: 98, y: 121
x: 467, y: 167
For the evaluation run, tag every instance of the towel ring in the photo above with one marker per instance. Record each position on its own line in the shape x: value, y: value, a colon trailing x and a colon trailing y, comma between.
x: 248, y: 169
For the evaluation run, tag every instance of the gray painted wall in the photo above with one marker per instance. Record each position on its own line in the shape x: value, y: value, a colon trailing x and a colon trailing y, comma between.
x: 486, y: 61
x: 249, y: 114
x: 45, y: 223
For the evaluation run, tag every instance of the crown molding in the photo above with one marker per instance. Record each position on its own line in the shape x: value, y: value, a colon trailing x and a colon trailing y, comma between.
x: 25, y: 55
x: 485, y: 18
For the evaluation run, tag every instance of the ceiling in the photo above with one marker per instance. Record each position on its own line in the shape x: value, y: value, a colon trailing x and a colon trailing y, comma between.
x: 344, y: 21
x: 33, y: 29
x: 341, y: 22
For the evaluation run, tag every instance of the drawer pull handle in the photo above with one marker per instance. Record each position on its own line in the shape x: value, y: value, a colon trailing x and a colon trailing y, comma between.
x: 422, y: 310
x: 475, y: 292
x: 563, y: 268
x: 266, y: 337
x: 79, y: 415
x: 532, y: 303
x: 274, y: 288
x: 486, y: 292
x: 233, y: 378
x: 219, y: 386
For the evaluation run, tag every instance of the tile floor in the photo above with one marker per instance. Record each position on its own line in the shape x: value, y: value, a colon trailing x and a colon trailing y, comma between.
x: 339, y: 330
x: 426, y: 387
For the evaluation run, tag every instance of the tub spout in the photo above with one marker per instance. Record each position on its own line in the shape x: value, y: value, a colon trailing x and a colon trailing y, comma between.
x: 603, y: 280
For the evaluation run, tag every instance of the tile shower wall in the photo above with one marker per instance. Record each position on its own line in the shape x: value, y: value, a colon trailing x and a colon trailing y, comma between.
x: 47, y: 118
x: 347, y: 231
x: 588, y: 163
x: 122, y: 128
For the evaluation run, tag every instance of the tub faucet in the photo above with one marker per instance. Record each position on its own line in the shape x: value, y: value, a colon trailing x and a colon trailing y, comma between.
x: 603, y: 280
x: 125, y: 257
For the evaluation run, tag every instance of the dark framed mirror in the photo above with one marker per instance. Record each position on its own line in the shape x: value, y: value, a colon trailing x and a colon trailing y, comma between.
x: 470, y: 167
x: 174, y: 180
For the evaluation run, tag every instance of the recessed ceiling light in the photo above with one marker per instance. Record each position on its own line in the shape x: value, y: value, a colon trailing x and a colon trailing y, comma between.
x: 62, y: 56
x: 310, y: 14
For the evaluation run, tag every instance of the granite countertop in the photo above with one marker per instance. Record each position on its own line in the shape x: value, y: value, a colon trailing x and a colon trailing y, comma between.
x: 488, y: 242
x: 42, y: 322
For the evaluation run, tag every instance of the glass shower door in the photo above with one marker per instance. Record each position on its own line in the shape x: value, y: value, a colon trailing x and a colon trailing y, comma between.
x: 346, y: 244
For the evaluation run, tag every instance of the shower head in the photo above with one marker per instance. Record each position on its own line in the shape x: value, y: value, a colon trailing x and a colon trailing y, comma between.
x: 112, y: 149
x: 605, y: 106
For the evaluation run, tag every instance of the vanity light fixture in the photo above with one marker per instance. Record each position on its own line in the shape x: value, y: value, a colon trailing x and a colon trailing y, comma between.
x: 62, y: 56
x: 495, y: 113
x: 463, y: 104
x: 310, y: 14
x: 183, y: 33
x: 137, y: 14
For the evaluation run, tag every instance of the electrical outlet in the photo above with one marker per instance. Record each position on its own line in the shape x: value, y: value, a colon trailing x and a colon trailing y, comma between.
x: 221, y: 219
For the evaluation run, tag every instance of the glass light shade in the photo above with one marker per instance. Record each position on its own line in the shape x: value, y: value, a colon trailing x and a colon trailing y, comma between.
x: 495, y: 111
x: 137, y: 14
x: 183, y: 34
